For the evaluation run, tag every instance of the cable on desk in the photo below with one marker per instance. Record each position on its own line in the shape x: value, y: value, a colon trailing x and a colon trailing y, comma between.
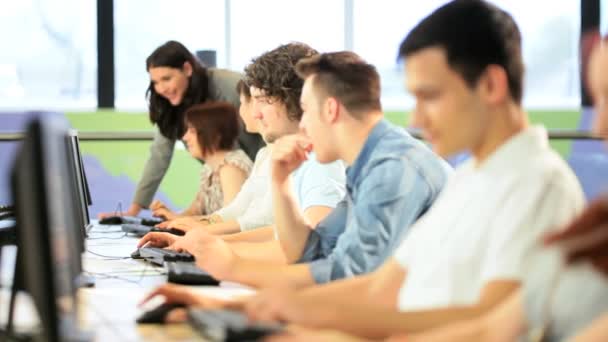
x: 109, y: 275
x: 95, y: 231
x: 108, y: 238
x: 109, y: 257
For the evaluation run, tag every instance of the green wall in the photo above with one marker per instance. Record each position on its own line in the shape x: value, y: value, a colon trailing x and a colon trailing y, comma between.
x: 129, y: 157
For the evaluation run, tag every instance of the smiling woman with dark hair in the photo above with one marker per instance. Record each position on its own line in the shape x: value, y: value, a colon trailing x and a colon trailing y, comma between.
x: 177, y: 82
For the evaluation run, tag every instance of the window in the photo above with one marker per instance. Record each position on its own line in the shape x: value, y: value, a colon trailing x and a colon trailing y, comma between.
x: 143, y: 25
x: 550, y: 46
x: 262, y: 25
x: 49, y: 54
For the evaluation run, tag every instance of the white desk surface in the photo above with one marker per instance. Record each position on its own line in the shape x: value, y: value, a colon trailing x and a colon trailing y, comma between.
x: 110, y: 308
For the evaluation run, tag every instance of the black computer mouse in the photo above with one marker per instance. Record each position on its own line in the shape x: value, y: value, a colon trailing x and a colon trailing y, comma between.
x: 158, y: 314
x: 136, y: 255
x: 111, y: 220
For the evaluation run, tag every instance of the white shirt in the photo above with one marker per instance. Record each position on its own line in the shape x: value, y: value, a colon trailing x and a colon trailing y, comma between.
x: 485, y: 223
x: 314, y: 184
x: 252, y: 206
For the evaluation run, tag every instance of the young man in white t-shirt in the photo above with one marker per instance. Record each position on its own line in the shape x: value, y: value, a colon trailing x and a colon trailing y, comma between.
x: 275, y: 90
x: 463, y: 64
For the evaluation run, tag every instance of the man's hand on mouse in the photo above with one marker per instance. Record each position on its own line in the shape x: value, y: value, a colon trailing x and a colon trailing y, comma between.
x: 183, y: 223
x: 182, y: 295
x: 211, y: 252
x: 157, y: 239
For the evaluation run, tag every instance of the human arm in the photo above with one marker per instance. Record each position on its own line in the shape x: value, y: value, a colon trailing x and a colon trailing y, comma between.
x: 378, y: 288
x: 596, y: 331
x: 215, y: 256
x: 288, y: 153
x: 505, y: 323
x: 585, y: 237
x: 377, y: 321
x: 268, y: 251
x: 133, y: 210
x: 304, y: 196
x: 255, y: 235
x: 250, y: 191
x: 231, y: 181
x: 161, y: 153
x: 192, y: 223
x: 159, y: 209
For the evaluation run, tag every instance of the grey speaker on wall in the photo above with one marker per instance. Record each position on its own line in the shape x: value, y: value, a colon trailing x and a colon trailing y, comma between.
x: 207, y: 57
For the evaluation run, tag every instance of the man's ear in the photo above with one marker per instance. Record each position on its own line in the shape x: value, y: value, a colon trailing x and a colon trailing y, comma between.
x: 494, y: 84
x: 331, y: 111
x: 187, y: 68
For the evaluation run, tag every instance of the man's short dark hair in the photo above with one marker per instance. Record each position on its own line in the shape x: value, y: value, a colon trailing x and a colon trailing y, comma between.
x: 345, y: 76
x: 274, y: 73
x: 474, y: 35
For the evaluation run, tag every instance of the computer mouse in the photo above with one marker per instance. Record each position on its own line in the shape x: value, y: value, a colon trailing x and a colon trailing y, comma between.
x: 111, y: 220
x: 136, y: 255
x: 158, y: 314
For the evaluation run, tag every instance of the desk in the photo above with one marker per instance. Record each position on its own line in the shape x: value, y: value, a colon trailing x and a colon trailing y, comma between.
x: 110, y: 308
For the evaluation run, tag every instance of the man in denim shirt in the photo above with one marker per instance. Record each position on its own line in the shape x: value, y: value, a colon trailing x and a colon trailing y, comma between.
x: 392, y: 180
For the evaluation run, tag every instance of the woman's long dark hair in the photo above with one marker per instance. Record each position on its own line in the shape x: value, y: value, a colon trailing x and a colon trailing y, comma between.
x: 169, y: 118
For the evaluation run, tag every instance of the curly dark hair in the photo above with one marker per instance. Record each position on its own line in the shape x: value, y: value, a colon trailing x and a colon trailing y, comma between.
x: 274, y: 73
x: 169, y: 118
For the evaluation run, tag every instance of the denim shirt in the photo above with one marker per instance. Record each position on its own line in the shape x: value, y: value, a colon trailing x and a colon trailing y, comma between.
x: 393, y: 181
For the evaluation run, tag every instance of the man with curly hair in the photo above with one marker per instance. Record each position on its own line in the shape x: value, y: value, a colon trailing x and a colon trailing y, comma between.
x: 275, y: 90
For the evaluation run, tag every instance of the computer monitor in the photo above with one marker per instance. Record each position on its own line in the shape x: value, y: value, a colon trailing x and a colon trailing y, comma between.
x: 46, y: 229
x: 83, y: 173
x: 81, y: 185
x: 79, y: 191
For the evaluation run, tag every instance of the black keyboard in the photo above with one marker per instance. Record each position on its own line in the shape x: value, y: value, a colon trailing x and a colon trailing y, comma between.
x: 141, y: 230
x: 151, y: 221
x: 130, y: 220
x: 159, y: 255
x: 229, y: 325
x: 188, y: 273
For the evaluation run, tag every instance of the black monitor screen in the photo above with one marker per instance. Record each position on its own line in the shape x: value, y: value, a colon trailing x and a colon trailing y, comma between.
x: 46, y: 239
x: 82, y: 171
x: 80, y: 182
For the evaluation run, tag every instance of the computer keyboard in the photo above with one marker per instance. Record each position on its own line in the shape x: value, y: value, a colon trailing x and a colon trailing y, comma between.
x: 151, y: 221
x: 159, y: 255
x: 136, y: 229
x: 130, y: 220
x: 141, y: 230
x: 188, y: 273
x: 229, y: 325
